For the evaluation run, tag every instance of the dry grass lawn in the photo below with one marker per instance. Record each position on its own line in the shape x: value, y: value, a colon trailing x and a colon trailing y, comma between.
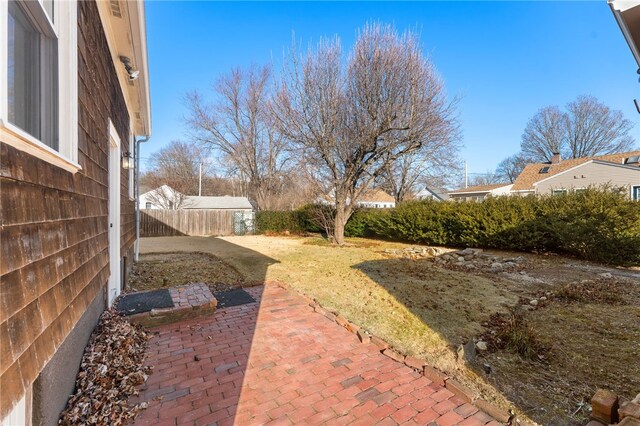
x: 428, y: 311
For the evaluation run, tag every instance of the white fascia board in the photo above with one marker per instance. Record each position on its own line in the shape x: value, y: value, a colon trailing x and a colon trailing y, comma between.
x: 453, y: 194
x: 139, y: 35
x: 618, y: 7
x: 623, y: 5
x: 624, y: 166
x: 126, y: 36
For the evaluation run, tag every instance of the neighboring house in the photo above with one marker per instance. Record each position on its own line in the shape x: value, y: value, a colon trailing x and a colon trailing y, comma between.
x: 70, y: 109
x: 432, y: 194
x: 163, y: 197
x: 559, y: 176
x: 376, y: 199
x: 480, y: 192
x: 167, y: 198
x: 370, y: 199
x: 218, y: 203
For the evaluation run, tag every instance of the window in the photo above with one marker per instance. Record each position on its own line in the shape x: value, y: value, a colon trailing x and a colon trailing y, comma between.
x: 635, y: 193
x: 38, y: 81
x: 632, y: 160
x: 559, y: 192
x: 32, y: 71
x: 148, y: 205
x: 545, y: 169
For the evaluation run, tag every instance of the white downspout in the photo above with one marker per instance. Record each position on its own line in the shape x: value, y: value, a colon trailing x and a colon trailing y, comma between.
x: 137, y: 243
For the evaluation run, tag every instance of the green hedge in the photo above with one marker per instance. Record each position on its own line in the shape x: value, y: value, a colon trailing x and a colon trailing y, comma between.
x: 597, y: 225
x: 279, y: 221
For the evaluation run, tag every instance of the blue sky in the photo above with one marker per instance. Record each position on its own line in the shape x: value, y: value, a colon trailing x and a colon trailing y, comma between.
x: 505, y: 59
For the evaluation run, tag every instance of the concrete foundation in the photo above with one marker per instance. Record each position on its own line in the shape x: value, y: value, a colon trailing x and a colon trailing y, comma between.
x: 56, y: 382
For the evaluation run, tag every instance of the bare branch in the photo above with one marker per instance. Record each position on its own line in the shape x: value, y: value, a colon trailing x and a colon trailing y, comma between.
x: 351, y: 119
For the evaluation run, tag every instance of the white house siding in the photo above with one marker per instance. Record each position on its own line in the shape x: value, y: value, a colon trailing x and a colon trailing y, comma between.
x: 591, y: 174
x: 376, y: 204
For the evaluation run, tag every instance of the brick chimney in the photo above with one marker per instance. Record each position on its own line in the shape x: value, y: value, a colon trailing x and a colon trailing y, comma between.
x: 556, y: 159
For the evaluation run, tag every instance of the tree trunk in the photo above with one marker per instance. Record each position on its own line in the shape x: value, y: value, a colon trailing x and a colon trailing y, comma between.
x: 342, y: 215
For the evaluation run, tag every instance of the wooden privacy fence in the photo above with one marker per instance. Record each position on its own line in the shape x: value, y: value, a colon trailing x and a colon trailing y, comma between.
x: 193, y: 222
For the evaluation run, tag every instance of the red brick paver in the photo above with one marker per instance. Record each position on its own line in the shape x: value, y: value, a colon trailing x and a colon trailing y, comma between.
x: 278, y: 362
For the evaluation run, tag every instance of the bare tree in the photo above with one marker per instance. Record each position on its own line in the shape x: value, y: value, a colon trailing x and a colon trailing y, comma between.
x: 350, y: 119
x: 544, y: 134
x: 587, y: 128
x: 404, y: 177
x: 510, y: 168
x: 592, y: 128
x: 239, y: 128
x: 488, y: 178
x: 178, y: 165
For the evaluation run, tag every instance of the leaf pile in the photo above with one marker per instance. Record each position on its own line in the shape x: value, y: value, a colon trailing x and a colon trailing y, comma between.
x: 111, y: 369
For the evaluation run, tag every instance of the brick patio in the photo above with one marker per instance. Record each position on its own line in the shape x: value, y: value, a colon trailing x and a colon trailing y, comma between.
x: 278, y: 362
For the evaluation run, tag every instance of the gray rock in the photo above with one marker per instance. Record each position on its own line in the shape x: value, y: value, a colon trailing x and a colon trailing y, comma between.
x: 606, y: 275
x: 467, y: 352
x: 496, y: 266
x: 533, y: 302
x: 460, y: 259
x: 481, y: 346
x: 543, y: 298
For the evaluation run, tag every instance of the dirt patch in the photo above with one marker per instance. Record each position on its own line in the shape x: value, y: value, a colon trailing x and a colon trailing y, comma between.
x: 597, y: 291
x: 355, y: 242
x: 162, y: 270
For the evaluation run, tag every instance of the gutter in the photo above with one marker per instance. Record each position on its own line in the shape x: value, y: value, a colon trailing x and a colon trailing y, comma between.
x: 137, y: 178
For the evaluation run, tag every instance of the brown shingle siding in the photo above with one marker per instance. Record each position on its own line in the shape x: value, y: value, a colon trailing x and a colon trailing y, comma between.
x: 54, y: 224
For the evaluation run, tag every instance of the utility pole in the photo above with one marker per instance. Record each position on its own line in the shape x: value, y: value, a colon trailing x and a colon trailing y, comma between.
x: 466, y: 180
x: 200, y: 181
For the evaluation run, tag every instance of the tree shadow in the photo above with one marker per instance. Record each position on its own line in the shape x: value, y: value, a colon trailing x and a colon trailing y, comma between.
x: 199, y: 364
x: 451, y: 304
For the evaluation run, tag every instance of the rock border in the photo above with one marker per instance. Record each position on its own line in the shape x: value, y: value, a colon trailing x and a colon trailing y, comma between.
x: 365, y: 337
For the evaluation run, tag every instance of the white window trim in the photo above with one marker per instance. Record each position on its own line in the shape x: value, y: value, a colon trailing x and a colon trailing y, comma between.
x: 66, y: 26
x: 631, y: 193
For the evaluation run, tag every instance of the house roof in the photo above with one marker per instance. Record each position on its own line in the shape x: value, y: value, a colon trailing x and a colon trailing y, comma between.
x: 225, y: 202
x: 164, y: 189
x: 530, y: 175
x: 479, y: 188
x: 441, y: 194
x: 376, y: 196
